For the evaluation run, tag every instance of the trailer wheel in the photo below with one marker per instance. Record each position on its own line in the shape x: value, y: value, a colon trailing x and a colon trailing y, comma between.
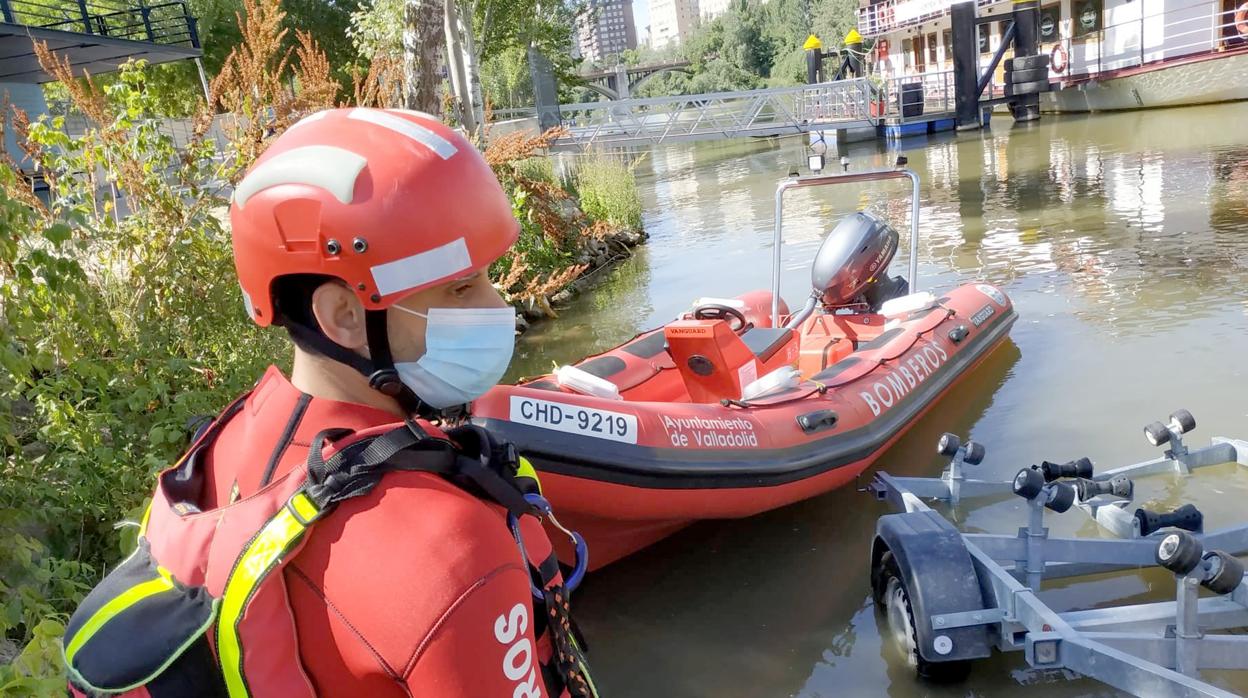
x: 1157, y: 433
x: 1228, y: 572
x: 894, y: 598
x: 1179, y: 552
x: 1184, y: 419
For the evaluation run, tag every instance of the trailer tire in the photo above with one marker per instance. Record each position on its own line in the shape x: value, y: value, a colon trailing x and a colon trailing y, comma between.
x: 1028, y: 62
x: 1230, y: 573
x: 894, y: 600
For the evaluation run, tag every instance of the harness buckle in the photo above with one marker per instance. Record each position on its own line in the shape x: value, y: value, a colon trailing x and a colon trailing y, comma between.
x: 541, y: 511
x: 303, y: 508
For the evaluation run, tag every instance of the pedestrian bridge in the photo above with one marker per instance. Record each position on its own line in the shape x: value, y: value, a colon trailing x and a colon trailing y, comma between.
x: 857, y: 103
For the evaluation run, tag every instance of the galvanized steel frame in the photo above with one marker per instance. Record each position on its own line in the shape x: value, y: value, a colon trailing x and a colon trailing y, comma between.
x: 1154, y: 649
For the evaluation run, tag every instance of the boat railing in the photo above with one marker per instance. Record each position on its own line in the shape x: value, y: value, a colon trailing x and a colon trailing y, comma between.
x: 890, y: 15
x: 1153, y: 36
x: 820, y: 180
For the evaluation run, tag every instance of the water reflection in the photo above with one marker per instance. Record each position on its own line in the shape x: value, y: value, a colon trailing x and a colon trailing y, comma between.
x: 1123, y: 240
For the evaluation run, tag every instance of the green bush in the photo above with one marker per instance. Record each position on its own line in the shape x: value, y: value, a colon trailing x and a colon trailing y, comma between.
x: 115, y: 330
x: 608, y: 190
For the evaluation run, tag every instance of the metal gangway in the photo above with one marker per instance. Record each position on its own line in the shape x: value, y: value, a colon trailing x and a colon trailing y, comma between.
x: 843, y: 104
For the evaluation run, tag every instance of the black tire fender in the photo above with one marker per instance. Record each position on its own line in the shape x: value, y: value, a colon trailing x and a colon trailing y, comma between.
x: 1026, y: 88
x: 1029, y: 75
x: 1028, y: 62
x: 940, y: 576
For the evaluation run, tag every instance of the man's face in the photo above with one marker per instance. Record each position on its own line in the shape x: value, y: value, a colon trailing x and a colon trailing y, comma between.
x: 407, y: 331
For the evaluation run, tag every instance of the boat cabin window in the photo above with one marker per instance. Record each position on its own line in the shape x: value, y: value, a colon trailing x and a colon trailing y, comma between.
x: 946, y: 39
x: 1050, y: 20
x: 1087, y: 18
x: 931, y: 49
x: 907, y: 56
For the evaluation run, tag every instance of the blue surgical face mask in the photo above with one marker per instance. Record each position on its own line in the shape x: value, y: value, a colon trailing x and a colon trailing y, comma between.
x: 467, y: 351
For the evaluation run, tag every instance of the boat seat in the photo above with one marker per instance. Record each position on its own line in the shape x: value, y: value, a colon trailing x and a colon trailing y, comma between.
x: 764, y: 342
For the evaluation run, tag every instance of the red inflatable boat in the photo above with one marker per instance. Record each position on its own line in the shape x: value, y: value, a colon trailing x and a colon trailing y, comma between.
x: 740, y: 406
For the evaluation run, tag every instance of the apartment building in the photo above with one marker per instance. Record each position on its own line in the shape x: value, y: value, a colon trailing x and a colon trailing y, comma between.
x: 605, y: 30
x: 672, y: 21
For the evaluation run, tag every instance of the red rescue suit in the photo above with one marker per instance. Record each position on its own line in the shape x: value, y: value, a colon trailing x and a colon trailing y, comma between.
x: 416, y: 587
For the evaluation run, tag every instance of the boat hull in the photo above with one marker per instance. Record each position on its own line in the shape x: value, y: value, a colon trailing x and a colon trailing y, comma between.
x: 1183, y: 82
x: 686, y: 462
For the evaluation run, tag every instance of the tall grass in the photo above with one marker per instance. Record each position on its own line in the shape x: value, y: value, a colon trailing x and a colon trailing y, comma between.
x: 607, y: 188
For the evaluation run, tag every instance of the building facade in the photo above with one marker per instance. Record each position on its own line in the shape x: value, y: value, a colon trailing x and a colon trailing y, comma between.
x: 710, y: 9
x: 672, y: 21
x: 605, y: 30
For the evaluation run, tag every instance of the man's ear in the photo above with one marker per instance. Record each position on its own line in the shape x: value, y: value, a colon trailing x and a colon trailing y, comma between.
x: 341, y: 315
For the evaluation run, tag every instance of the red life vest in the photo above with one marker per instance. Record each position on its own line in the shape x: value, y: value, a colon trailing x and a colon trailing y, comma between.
x: 200, y: 608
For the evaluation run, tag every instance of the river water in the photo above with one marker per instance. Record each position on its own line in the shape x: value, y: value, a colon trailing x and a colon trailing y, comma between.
x: 1123, y: 240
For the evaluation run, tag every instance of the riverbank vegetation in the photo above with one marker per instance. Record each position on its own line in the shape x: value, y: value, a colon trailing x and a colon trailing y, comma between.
x: 121, y: 319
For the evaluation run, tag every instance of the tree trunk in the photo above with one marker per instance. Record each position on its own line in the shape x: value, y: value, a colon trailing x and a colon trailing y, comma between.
x: 423, y: 40
x: 456, y: 63
x: 472, y: 66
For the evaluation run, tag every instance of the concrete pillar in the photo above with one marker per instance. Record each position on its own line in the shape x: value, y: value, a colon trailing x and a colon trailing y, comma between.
x: 622, y: 88
x: 965, y: 64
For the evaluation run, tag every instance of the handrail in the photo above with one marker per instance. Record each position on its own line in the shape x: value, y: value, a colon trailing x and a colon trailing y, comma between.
x: 166, y: 23
x: 842, y: 178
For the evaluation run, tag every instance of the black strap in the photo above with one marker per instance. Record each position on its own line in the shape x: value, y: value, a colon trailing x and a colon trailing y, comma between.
x: 329, y: 348
x: 379, y: 371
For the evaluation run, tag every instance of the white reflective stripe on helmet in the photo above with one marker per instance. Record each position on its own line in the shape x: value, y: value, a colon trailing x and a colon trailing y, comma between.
x: 332, y: 169
x: 444, y: 148
x: 421, y: 268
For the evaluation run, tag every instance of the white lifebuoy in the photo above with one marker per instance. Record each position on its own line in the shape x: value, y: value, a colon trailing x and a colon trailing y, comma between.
x: 1058, y: 59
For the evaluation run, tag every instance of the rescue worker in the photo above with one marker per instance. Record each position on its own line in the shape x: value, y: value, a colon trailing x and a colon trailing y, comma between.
x: 367, y: 234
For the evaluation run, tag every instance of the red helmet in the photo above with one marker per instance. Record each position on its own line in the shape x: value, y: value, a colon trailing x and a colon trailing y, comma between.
x: 389, y: 201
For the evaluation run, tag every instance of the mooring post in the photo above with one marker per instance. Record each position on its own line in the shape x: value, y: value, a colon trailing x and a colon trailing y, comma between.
x: 853, y: 51
x: 814, y: 59
x: 1026, y: 42
x: 965, y: 65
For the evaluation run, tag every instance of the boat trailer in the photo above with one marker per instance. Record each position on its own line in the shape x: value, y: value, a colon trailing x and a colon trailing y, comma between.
x: 950, y: 597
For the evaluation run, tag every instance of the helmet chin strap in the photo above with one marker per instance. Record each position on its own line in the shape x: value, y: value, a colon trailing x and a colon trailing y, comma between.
x: 384, y: 378
x: 379, y: 370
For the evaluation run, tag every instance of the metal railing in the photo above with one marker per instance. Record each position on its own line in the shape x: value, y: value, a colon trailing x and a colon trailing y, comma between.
x: 169, y: 23
x: 939, y: 94
x: 882, y: 17
x: 1174, y: 32
x: 513, y: 113
x: 775, y: 111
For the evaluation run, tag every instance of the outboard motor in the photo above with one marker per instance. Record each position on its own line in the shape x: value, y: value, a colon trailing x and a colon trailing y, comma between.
x: 851, y: 266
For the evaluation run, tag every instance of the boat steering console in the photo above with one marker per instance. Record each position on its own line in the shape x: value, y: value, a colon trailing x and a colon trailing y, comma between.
x: 716, y: 311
